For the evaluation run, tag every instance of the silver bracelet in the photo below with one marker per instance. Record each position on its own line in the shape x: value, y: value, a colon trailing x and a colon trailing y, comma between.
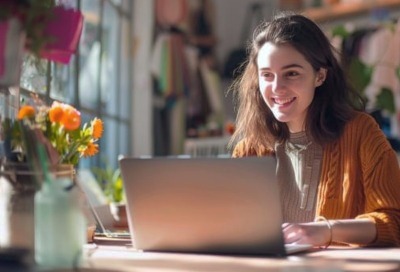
x: 328, y: 224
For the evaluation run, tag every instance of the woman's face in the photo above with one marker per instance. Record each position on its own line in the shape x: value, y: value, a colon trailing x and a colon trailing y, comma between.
x: 287, y: 82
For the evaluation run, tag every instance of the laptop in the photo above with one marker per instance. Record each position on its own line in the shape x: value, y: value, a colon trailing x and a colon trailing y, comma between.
x: 209, y: 205
x: 97, y: 209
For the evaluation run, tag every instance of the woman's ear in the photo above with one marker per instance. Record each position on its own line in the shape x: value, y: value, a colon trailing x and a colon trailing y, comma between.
x: 321, y: 76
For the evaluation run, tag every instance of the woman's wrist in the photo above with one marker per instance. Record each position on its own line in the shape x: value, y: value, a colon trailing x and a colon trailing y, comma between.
x: 353, y: 231
x: 330, y: 230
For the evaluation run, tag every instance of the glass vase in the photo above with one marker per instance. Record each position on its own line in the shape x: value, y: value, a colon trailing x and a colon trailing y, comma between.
x: 18, y: 185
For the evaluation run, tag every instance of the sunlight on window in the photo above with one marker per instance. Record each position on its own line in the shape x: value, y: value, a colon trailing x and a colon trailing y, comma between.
x: 97, y: 80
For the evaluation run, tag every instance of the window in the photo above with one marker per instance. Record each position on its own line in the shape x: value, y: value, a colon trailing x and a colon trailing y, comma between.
x: 97, y: 81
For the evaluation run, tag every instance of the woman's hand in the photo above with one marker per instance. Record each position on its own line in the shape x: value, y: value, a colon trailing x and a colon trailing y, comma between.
x: 314, y: 233
x: 348, y: 231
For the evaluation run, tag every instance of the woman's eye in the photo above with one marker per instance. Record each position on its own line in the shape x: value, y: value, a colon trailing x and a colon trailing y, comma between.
x: 266, y: 75
x: 292, y: 74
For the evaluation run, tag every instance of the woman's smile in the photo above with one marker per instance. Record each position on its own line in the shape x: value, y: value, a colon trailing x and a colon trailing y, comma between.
x: 283, y: 101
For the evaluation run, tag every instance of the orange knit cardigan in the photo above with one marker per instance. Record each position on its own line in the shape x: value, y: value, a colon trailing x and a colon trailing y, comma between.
x: 360, y: 178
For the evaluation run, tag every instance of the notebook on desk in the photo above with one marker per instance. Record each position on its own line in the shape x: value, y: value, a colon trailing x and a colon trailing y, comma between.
x: 205, y: 205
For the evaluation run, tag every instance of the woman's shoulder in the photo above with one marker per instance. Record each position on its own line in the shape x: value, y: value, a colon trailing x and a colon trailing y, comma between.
x: 363, y: 127
x: 362, y: 120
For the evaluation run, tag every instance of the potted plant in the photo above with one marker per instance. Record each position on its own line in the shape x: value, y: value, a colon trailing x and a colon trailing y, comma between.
x: 64, y: 28
x: 110, y: 181
x: 38, y: 27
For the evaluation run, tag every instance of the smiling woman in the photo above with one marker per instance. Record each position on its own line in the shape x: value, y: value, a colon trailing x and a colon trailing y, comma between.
x: 287, y: 83
x: 338, y: 175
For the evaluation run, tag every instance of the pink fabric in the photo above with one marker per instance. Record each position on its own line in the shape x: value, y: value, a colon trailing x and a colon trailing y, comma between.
x: 3, y: 42
x: 171, y: 12
x: 64, y: 30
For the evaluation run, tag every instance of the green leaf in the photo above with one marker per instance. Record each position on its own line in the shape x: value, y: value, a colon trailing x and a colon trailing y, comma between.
x: 340, y: 31
x: 385, y: 100
x: 360, y: 74
x: 110, y: 181
x: 398, y: 72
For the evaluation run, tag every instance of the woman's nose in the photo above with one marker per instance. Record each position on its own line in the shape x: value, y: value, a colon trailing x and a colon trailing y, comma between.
x: 278, y: 85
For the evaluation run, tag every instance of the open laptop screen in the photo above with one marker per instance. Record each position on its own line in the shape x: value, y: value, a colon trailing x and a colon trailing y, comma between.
x: 204, y: 205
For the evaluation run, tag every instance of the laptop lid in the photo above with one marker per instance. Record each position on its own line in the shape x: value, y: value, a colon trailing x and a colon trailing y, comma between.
x: 204, y: 205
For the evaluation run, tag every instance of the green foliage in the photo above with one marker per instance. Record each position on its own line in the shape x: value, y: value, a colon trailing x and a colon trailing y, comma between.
x: 340, y: 31
x: 360, y: 74
x: 33, y: 15
x: 36, y: 18
x: 398, y: 72
x: 110, y: 182
x: 385, y: 100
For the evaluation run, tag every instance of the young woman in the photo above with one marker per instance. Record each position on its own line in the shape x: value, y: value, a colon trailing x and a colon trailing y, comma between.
x: 339, y: 176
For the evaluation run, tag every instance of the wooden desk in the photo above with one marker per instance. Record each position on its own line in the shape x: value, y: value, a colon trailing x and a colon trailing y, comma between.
x: 124, y: 258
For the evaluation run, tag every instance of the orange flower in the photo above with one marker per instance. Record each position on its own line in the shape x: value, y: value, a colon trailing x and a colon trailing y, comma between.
x: 61, y: 127
x: 97, y: 126
x: 26, y: 112
x: 56, y: 113
x: 71, y: 118
x: 91, y: 150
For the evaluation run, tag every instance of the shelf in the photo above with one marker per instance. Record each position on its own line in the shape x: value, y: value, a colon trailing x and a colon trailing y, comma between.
x: 339, y: 11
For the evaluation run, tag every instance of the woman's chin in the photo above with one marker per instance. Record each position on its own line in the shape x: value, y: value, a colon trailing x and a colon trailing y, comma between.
x: 282, y: 118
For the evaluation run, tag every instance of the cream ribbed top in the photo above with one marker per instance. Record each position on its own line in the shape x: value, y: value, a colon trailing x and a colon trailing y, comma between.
x: 298, y: 172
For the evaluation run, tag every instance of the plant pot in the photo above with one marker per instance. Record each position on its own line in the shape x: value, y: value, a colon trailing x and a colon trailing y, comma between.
x: 12, y: 40
x: 63, y: 31
x: 119, y: 214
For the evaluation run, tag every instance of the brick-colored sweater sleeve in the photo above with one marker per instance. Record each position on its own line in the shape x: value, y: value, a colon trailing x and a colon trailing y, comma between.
x: 360, y: 178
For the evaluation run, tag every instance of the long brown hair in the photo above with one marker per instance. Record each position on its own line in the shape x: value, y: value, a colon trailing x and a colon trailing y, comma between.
x: 334, y: 101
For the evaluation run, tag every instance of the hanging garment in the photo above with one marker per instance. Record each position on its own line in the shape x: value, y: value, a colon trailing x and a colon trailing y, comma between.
x: 382, y: 52
x: 169, y: 66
